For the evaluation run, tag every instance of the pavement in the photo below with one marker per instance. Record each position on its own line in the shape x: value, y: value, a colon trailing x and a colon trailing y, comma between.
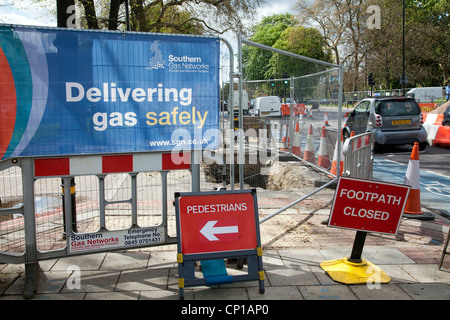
x: 294, y: 242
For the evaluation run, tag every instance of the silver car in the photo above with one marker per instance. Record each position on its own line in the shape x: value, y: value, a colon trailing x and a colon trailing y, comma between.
x: 393, y: 120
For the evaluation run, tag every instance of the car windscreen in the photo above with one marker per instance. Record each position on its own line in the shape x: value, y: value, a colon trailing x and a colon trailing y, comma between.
x: 397, y: 108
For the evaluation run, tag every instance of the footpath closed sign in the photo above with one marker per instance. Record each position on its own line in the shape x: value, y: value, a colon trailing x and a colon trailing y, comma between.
x: 367, y: 205
x: 216, y: 222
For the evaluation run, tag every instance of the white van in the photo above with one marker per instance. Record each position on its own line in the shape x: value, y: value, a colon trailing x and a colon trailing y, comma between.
x: 426, y: 94
x: 266, y: 106
x: 244, y: 102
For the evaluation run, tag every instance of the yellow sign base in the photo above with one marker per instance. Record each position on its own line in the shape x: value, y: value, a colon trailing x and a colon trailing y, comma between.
x: 344, y: 271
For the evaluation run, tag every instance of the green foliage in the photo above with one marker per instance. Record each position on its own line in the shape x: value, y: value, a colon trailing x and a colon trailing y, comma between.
x: 282, y: 32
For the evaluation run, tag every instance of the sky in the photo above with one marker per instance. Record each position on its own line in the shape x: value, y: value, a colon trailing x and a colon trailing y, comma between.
x: 24, y: 12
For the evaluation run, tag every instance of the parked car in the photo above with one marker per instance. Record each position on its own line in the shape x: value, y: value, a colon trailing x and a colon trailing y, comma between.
x: 393, y: 120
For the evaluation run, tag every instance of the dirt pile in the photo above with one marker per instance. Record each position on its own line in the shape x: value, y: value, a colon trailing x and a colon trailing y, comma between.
x: 291, y: 176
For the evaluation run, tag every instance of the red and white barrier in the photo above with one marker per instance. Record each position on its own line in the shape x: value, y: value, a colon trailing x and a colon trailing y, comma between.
x: 91, y: 165
x: 437, y: 134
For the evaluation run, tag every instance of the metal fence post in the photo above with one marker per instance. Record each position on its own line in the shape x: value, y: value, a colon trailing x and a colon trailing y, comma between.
x: 31, y: 263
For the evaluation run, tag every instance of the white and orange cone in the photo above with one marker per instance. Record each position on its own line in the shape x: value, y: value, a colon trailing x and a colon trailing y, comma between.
x: 296, y: 141
x: 335, y: 158
x: 412, y: 179
x: 323, y: 159
x: 310, y: 112
x: 325, y: 120
x: 284, y: 138
x: 308, y: 155
x: 345, y: 119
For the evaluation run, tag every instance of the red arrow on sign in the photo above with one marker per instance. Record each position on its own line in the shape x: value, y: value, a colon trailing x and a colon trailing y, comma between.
x: 209, y: 231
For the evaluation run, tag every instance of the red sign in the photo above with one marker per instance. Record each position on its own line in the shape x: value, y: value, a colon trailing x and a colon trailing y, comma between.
x: 217, y: 222
x: 366, y: 205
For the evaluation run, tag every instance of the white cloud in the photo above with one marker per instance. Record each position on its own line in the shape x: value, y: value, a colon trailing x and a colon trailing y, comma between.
x: 272, y: 7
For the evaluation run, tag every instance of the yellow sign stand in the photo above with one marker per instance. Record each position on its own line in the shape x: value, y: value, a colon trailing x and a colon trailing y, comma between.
x: 345, y: 271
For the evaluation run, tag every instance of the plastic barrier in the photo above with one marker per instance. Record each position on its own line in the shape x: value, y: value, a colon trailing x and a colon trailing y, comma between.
x: 298, y: 109
x: 438, y: 135
x: 428, y: 107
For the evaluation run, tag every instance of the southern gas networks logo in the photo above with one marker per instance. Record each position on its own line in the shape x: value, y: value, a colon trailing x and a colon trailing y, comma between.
x: 156, y: 61
x: 176, y: 63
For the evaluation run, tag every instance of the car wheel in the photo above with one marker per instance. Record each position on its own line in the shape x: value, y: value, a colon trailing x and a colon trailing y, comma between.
x: 345, y: 135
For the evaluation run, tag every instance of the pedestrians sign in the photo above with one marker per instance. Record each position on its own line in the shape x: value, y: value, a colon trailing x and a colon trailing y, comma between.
x: 217, y: 222
x: 213, y: 226
x: 367, y: 205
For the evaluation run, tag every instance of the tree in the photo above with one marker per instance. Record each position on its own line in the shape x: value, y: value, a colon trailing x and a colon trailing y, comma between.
x: 267, y: 32
x: 179, y: 16
x: 282, y: 32
x: 303, y: 41
x: 427, y: 51
x: 342, y: 23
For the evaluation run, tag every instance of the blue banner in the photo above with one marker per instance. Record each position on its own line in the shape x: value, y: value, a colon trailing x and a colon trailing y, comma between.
x: 71, y: 92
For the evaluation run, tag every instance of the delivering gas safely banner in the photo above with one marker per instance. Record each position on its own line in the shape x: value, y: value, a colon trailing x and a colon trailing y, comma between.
x: 68, y: 92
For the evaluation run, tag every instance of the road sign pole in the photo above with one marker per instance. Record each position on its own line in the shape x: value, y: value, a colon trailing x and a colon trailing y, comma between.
x: 358, y: 246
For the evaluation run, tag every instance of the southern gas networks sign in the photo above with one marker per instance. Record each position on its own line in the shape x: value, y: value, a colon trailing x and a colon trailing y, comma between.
x: 68, y: 92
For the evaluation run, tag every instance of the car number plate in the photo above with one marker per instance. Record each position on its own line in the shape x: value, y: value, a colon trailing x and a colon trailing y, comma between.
x: 398, y: 122
x: 265, y: 112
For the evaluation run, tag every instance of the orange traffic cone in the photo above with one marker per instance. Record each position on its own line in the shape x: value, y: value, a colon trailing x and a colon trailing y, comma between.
x: 323, y: 159
x: 412, y: 179
x: 325, y: 120
x: 284, y: 138
x: 345, y: 119
x: 308, y: 155
x: 310, y: 113
x: 296, y: 141
x: 335, y: 156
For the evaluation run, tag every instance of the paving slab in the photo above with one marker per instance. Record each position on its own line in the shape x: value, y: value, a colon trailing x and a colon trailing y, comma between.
x: 301, y: 275
x: 396, y: 273
x: 427, y: 291
x: 379, y: 292
x: 143, y: 279
x: 85, y: 262
x: 125, y: 260
x: 327, y: 292
x: 163, y: 295
x: 382, y: 255
x: 92, y: 281
x: 129, y: 295
x: 425, y: 273
x: 296, y: 258
x: 275, y: 293
x: 162, y: 259
x: 231, y: 294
